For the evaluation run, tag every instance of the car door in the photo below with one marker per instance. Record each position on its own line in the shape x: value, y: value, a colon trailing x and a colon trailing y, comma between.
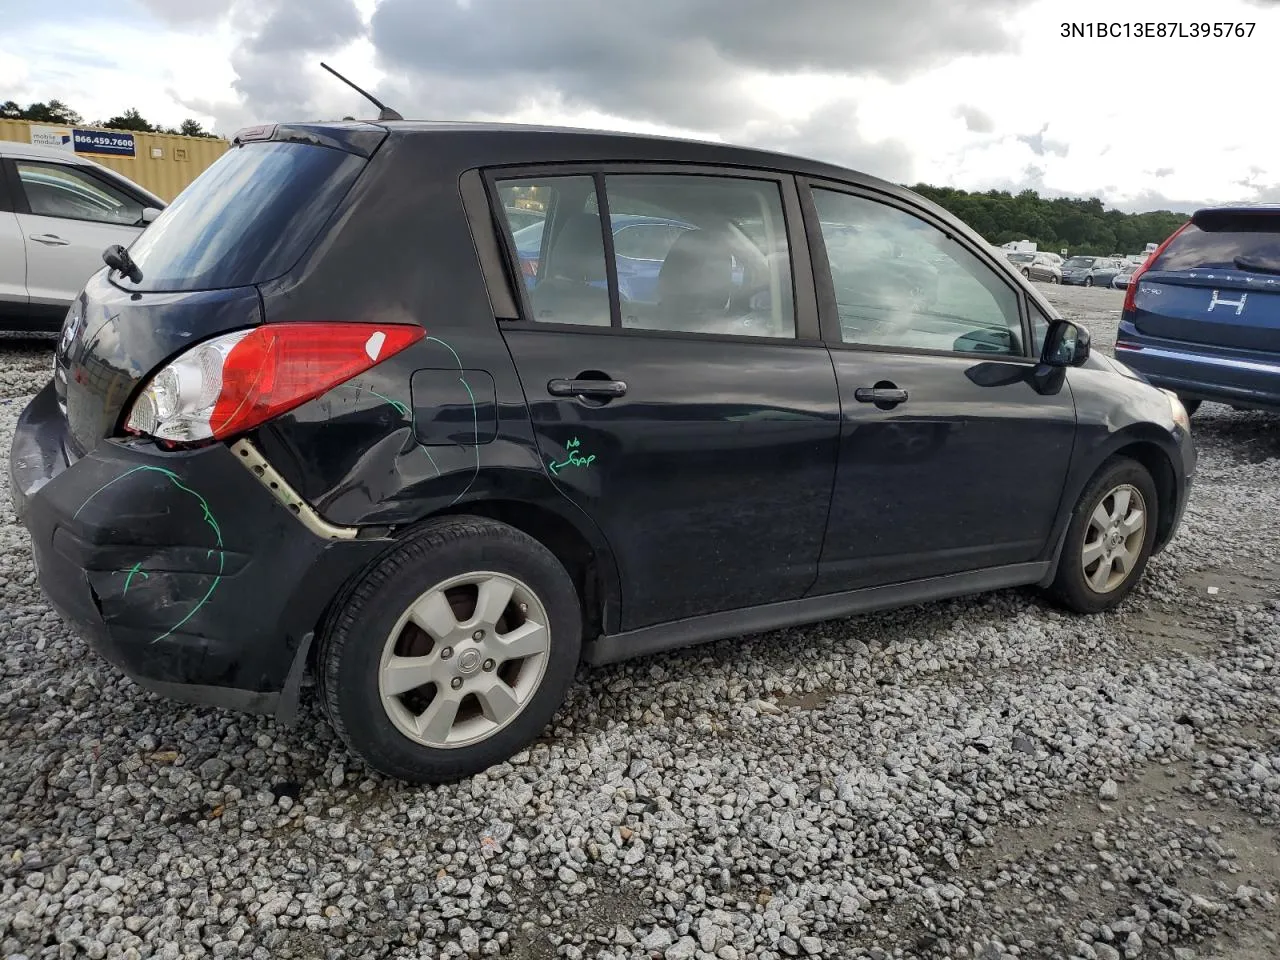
x: 68, y: 216
x: 699, y: 431
x: 13, y: 256
x: 950, y: 461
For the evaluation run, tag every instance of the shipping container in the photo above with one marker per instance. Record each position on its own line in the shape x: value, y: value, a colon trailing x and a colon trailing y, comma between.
x: 164, y: 163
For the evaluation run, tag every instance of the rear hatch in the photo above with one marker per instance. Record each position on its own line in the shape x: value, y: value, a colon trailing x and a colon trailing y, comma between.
x: 246, y: 220
x: 1217, y: 282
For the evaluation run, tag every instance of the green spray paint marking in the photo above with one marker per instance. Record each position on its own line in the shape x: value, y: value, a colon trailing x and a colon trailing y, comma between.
x: 400, y: 408
x: 405, y: 412
x: 133, y: 572
x: 208, y: 518
x: 574, y: 459
x: 475, y: 417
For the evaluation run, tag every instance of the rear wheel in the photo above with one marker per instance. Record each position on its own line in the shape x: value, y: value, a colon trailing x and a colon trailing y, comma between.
x: 1190, y: 405
x: 1109, y: 538
x: 452, y: 653
x: 1055, y: 279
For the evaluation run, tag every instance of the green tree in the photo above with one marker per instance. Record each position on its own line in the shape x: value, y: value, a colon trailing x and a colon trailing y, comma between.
x: 193, y: 128
x: 54, y: 111
x: 131, y: 119
x: 1082, y: 225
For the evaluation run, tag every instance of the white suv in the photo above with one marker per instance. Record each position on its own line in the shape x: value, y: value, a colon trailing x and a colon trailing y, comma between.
x: 58, y: 212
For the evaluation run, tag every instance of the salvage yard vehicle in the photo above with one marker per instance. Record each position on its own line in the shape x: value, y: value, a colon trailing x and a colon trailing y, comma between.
x: 316, y: 416
x: 57, y: 213
x: 1202, y: 316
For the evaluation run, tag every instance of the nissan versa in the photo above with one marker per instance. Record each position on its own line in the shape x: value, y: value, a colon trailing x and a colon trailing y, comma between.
x: 316, y: 416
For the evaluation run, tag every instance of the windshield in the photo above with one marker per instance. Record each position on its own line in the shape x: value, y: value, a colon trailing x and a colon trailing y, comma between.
x: 1254, y: 249
x: 245, y: 220
x: 1022, y: 257
x: 1079, y: 262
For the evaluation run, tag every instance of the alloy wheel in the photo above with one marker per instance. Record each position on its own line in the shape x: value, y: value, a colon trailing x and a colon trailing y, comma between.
x: 1113, y: 541
x: 464, y: 659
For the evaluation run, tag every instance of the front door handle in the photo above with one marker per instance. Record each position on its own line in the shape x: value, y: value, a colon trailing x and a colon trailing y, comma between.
x: 586, y: 388
x: 879, y: 395
x: 50, y: 240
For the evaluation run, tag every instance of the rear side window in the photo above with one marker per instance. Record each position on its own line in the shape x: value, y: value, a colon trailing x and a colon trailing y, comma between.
x: 691, y: 253
x: 246, y: 219
x: 1249, y: 243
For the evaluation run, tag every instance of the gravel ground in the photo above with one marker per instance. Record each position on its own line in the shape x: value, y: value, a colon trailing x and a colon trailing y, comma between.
x: 981, y: 778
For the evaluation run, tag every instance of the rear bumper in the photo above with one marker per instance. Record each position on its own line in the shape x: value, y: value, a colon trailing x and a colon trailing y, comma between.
x: 1242, y: 378
x: 178, y: 568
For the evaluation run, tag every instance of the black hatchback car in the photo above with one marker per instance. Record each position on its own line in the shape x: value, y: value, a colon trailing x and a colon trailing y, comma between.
x: 323, y: 414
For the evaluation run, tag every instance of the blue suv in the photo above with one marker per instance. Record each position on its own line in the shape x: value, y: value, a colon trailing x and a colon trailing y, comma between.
x: 1202, y: 316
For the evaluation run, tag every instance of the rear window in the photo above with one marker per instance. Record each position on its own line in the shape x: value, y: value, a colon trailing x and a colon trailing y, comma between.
x: 1249, y: 243
x: 245, y: 220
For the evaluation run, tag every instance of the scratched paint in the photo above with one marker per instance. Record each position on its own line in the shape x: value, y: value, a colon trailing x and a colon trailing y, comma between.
x: 134, y: 571
x: 209, y: 519
x: 574, y: 458
x: 405, y: 412
x: 475, y: 417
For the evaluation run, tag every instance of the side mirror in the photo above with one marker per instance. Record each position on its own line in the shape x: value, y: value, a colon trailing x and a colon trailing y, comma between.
x: 1065, y: 345
x: 150, y: 213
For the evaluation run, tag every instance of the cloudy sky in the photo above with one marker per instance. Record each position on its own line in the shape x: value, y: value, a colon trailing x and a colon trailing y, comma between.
x: 968, y: 93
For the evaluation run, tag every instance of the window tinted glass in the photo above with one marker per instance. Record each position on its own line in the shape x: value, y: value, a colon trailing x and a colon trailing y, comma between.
x: 644, y: 241
x: 59, y: 190
x: 246, y: 219
x: 562, y: 257
x: 728, y: 267
x: 900, y: 282
x: 1256, y: 249
x: 1039, y: 327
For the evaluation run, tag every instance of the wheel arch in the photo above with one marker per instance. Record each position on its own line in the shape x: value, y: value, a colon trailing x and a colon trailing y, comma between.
x: 587, y: 558
x: 1159, y: 464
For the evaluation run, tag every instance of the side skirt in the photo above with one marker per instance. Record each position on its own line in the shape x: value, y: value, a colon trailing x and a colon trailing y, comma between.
x: 792, y: 613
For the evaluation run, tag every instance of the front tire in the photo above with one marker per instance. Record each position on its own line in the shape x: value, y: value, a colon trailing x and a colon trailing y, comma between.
x: 452, y: 652
x: 1109, y: 538
x: 1088, y: 281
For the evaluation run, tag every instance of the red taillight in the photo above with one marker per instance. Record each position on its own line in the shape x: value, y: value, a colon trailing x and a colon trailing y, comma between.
x: 240, y: 380
x: 281, y: 366
x: 1131, y: 291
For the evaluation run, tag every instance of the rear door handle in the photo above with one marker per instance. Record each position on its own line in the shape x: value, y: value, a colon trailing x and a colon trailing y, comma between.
x: 50, y: 240
x: 880, y: 395
x: 586, y: 388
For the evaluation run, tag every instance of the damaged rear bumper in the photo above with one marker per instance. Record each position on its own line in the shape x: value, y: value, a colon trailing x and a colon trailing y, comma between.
x: 181, y: 568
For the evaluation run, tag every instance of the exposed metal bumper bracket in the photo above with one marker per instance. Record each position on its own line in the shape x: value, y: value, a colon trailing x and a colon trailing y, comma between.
x: 253, y: 461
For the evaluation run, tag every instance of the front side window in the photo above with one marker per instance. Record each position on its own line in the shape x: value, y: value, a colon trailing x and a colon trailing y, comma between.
x: 901, y: 282
x: 59, y: 190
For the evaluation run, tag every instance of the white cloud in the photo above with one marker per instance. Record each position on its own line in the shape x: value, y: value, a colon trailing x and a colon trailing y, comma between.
x: 1076, y: 116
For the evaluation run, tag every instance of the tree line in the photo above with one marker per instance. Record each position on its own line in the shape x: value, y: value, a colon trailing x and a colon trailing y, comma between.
x: 1078, y: 225
x: 55, y: 111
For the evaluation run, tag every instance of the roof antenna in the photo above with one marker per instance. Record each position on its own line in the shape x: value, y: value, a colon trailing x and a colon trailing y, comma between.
x: 384, y: 112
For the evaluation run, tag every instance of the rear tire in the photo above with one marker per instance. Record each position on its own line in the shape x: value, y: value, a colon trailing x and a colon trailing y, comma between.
x: 1109, y: 538
x: 1190, y: 405
x: 452, y: 652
